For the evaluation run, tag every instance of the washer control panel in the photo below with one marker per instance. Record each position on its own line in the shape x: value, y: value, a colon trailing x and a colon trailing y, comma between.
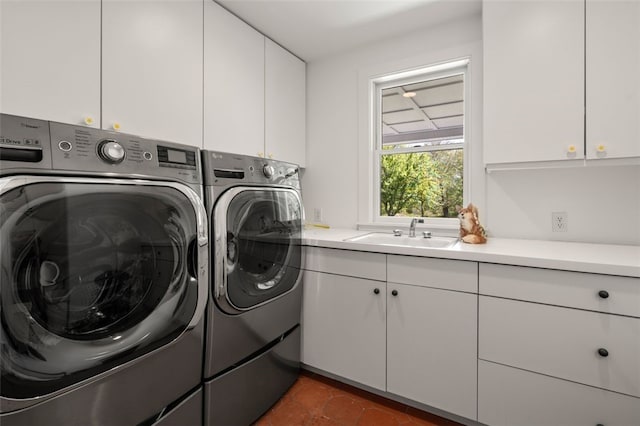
x: 81, y: 148
x: 27, y: 144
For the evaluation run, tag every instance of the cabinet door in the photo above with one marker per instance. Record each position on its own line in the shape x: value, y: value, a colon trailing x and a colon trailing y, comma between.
x: 152, y: 68
x: 233, y: 84
x: 343, y: 327
x: 285, y: 99
x: 432, y: 347
x: 513, y: 397
x: 533, y: 80
x: 613, y: 86
x: 50, y: 67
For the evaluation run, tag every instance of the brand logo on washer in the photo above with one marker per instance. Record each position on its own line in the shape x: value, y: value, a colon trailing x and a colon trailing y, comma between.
x: 216, y: 156
x: 29, y: 126
x: 10, y: 141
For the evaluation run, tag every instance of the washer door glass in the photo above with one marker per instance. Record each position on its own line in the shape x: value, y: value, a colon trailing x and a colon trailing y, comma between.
x: 264, y: 252
x: 93, y: 275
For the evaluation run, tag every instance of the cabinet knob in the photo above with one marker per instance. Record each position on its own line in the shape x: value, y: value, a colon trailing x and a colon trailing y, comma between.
x: 88, y: 120
x: 116, y: 126
x: 376, y: 291
x: 603, y: 352
x: 603, y: 294
x: 601, y: 148
x: 271, y: 155
x: 394, y: 293
x: 571, y: 149
x: 261, y: 154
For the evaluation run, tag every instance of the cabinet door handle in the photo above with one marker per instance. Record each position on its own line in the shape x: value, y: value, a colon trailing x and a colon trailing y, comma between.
x: 603, y: 294
x: 603, y: 352
x: 394, y: 293
x: 376, y: 291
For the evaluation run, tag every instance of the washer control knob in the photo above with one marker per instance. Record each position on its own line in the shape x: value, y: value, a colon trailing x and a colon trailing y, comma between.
x: 111, y: 151
x: 268, y: 171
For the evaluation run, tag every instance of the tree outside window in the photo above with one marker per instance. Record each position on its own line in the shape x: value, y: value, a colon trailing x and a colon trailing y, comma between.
x: 420, y: 149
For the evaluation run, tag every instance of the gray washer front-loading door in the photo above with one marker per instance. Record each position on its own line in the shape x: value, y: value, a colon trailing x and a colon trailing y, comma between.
x: 258, y: 246
x: 93, y: 275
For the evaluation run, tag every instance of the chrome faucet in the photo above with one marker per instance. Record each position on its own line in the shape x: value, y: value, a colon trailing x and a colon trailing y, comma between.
x: 412, y: 227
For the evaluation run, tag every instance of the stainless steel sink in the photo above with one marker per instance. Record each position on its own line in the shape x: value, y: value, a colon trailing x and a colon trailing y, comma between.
x: 404, y: 241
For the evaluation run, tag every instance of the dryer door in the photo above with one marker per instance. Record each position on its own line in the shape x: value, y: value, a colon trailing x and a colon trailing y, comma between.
x: 93, y: 275
x: 258, y: 253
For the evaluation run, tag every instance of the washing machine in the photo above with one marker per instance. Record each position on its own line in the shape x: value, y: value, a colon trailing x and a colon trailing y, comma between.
x: 103, y: 277
x: 253, y: 316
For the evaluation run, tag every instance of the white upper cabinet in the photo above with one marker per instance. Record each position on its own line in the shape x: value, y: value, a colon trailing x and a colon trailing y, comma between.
x: 613, y: 83
x: 254, y: 91
x: 233, y: 84
x: 533, y: 80
x: 152, y: 68
x: 50, y: 60
x: 285, y: 98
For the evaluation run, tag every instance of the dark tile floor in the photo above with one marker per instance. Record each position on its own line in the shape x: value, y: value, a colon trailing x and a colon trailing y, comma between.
x: 315, y: 400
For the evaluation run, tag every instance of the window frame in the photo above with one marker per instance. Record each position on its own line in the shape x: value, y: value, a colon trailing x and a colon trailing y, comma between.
x: 393, y: 79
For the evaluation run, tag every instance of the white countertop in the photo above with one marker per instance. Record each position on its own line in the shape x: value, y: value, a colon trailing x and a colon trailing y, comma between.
x: 582, y: 257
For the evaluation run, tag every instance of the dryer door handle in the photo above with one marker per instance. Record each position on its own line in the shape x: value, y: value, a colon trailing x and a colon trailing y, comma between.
x: 192, y: 259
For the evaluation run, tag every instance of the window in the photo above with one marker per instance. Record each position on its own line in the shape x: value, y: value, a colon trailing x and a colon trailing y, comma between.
x: 419, y: 149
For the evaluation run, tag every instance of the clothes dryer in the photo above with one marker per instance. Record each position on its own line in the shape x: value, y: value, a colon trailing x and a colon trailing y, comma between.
x: 253, y: 327
x: 103, y: 276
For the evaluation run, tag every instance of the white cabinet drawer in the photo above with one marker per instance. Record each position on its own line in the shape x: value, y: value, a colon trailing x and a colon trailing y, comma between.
x: 572, y: 289
x: 345, y: 262
x: 438, y: 273
x: 562, y: 342
x: 511, y: 397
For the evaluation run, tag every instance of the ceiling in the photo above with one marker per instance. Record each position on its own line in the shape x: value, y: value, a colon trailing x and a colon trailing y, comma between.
x: 314, y: 29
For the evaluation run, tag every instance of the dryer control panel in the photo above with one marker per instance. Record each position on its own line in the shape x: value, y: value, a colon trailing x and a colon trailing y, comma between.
x: 28, y: 144
x: 228, y: 169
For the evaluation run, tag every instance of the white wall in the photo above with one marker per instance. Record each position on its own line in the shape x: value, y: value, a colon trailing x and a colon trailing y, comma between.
x: 602, y: 203
x: 330, y: 181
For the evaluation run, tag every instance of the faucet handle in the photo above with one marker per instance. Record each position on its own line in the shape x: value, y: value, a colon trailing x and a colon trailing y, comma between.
x: 420, y: 220
x: 397, y: 232
x: 426, y: 234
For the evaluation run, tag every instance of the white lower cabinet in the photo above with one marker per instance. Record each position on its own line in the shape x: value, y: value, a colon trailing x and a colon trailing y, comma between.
x: 557, y: 348
x: 513, y: 397
x: 503, y: 345
x: 431, y: 347
x: 343, y: 322
x: 398, y: 328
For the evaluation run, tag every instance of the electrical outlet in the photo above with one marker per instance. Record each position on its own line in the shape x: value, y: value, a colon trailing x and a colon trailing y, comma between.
x: 559, y: 221
x: 317, y: 215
